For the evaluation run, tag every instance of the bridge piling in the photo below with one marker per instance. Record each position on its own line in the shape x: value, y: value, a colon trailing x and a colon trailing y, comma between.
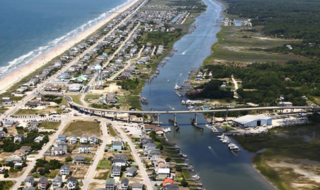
x: 128, y: 118
x: 143, y: 118
x: 175, y: 118
x: 158, y: 120
x: 212, y: 118
x: 195, y: 118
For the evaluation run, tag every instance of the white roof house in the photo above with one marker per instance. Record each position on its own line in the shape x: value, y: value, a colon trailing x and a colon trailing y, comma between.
x: 75, y: 87
x: 253, y: 120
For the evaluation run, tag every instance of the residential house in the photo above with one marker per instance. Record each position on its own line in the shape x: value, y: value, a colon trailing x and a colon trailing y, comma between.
x: 111, y: 98
x: 124, y: 184
x: 2, y: 170
x: 14, y: 159
x: 65, y: 170
x: 117, y: 145
x: 170, y: 187
x: 43, y: 183
x: 73, y: 139
x: 94, y: 139
x: 119, y: 160
x: 57, y: 151
x: 84, y: 139
x: 62, y: 138
x: 57, y: 182
x: 38, y: 139
x: 84, y: 149
x: 110, y: 184
x: 18, y: 138
x: 159, y: 130
x: 163, y: 173
x: 72, y: 183
x: 148, y: 128
x: 29, y: 181
x: 7, y: 101
x: 79, y: 159
x: 29, y: 188
x: 131, y: 172
x: 137, y: 186
x: 116, y: 171
x: 154, y: 158
x: 63, y: 145
x: 153, y: 152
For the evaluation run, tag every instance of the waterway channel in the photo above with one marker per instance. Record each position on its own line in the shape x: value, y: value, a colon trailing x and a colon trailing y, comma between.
x: 217, y: 167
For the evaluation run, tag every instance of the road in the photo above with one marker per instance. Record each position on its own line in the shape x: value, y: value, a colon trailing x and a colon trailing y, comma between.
x: 126, y: 67
x: 40, y: 154
x: 89, y: 178
x: 235, y: 87
x: 146, y: 179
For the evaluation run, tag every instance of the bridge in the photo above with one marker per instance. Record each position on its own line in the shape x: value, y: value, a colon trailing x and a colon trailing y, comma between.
x: 114, y: 113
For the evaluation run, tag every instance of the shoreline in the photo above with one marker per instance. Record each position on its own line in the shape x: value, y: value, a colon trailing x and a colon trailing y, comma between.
x: 14, y: 77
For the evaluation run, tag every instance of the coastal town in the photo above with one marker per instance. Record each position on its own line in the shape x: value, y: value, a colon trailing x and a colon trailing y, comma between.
x: 81, y: 121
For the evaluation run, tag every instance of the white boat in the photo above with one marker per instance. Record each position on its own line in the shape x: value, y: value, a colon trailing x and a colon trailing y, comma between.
x: 226, y: 141
x: 234, y: 147
x: 167, y: 130
x: 231, y: 144
x: 221, y: 136
x: 183, y: 102
x: 177, y: 87
x: 208, y: 126
x: 209, y: 147
x: 172, y: 109
x: 196, y: 176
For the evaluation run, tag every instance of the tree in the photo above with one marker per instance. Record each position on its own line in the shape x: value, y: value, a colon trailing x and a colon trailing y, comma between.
x: 184, y: 183
x: 68, y: 159
x: 168, y: 159
x: 178, y: 168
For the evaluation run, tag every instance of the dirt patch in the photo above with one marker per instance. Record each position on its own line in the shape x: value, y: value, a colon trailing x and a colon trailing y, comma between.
x: 79, y: 171
x: 80, y: 127
x: 301, y: 176
x: 12, y: 131
x: 96, y: 185
x: 4, y: 156
x: 101, y: 174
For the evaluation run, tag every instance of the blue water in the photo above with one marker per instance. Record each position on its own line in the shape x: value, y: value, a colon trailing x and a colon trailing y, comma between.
x: 29, y: 28
x: 218, y: 168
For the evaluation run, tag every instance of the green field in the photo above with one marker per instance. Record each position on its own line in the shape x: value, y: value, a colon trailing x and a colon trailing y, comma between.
x: 236, y: 45
x: 76, y: 99
x: 83, y: 127
x: 50, y: 125
x: 112, y: 131
x: 104, y: 164
x: 6, y: 185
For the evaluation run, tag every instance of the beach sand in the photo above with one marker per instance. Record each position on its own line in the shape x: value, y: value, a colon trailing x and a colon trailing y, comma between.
x: 16, y: 76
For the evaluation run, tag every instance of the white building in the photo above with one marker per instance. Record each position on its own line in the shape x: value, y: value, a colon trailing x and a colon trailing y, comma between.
x: 75, y: 87
x: 253, y: 121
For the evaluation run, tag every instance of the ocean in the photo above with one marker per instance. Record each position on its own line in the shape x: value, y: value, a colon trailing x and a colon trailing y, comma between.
x: 31, y: 28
